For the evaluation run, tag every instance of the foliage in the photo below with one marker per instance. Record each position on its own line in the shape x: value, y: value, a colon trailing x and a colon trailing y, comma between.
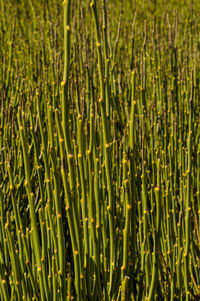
x: 99, y: 150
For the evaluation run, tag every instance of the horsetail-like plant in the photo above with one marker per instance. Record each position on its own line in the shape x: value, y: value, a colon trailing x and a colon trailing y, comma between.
x: 99, y: 150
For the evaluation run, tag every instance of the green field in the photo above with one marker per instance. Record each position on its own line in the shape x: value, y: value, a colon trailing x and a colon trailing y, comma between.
x: 99, y: 150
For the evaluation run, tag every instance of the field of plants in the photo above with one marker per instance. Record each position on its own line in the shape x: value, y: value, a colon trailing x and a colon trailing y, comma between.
x: 99, y: 150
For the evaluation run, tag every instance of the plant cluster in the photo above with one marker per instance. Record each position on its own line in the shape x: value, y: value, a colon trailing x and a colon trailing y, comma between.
x: 99, y: 150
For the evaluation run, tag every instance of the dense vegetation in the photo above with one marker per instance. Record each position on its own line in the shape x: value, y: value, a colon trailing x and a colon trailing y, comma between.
x: 99, y: 150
